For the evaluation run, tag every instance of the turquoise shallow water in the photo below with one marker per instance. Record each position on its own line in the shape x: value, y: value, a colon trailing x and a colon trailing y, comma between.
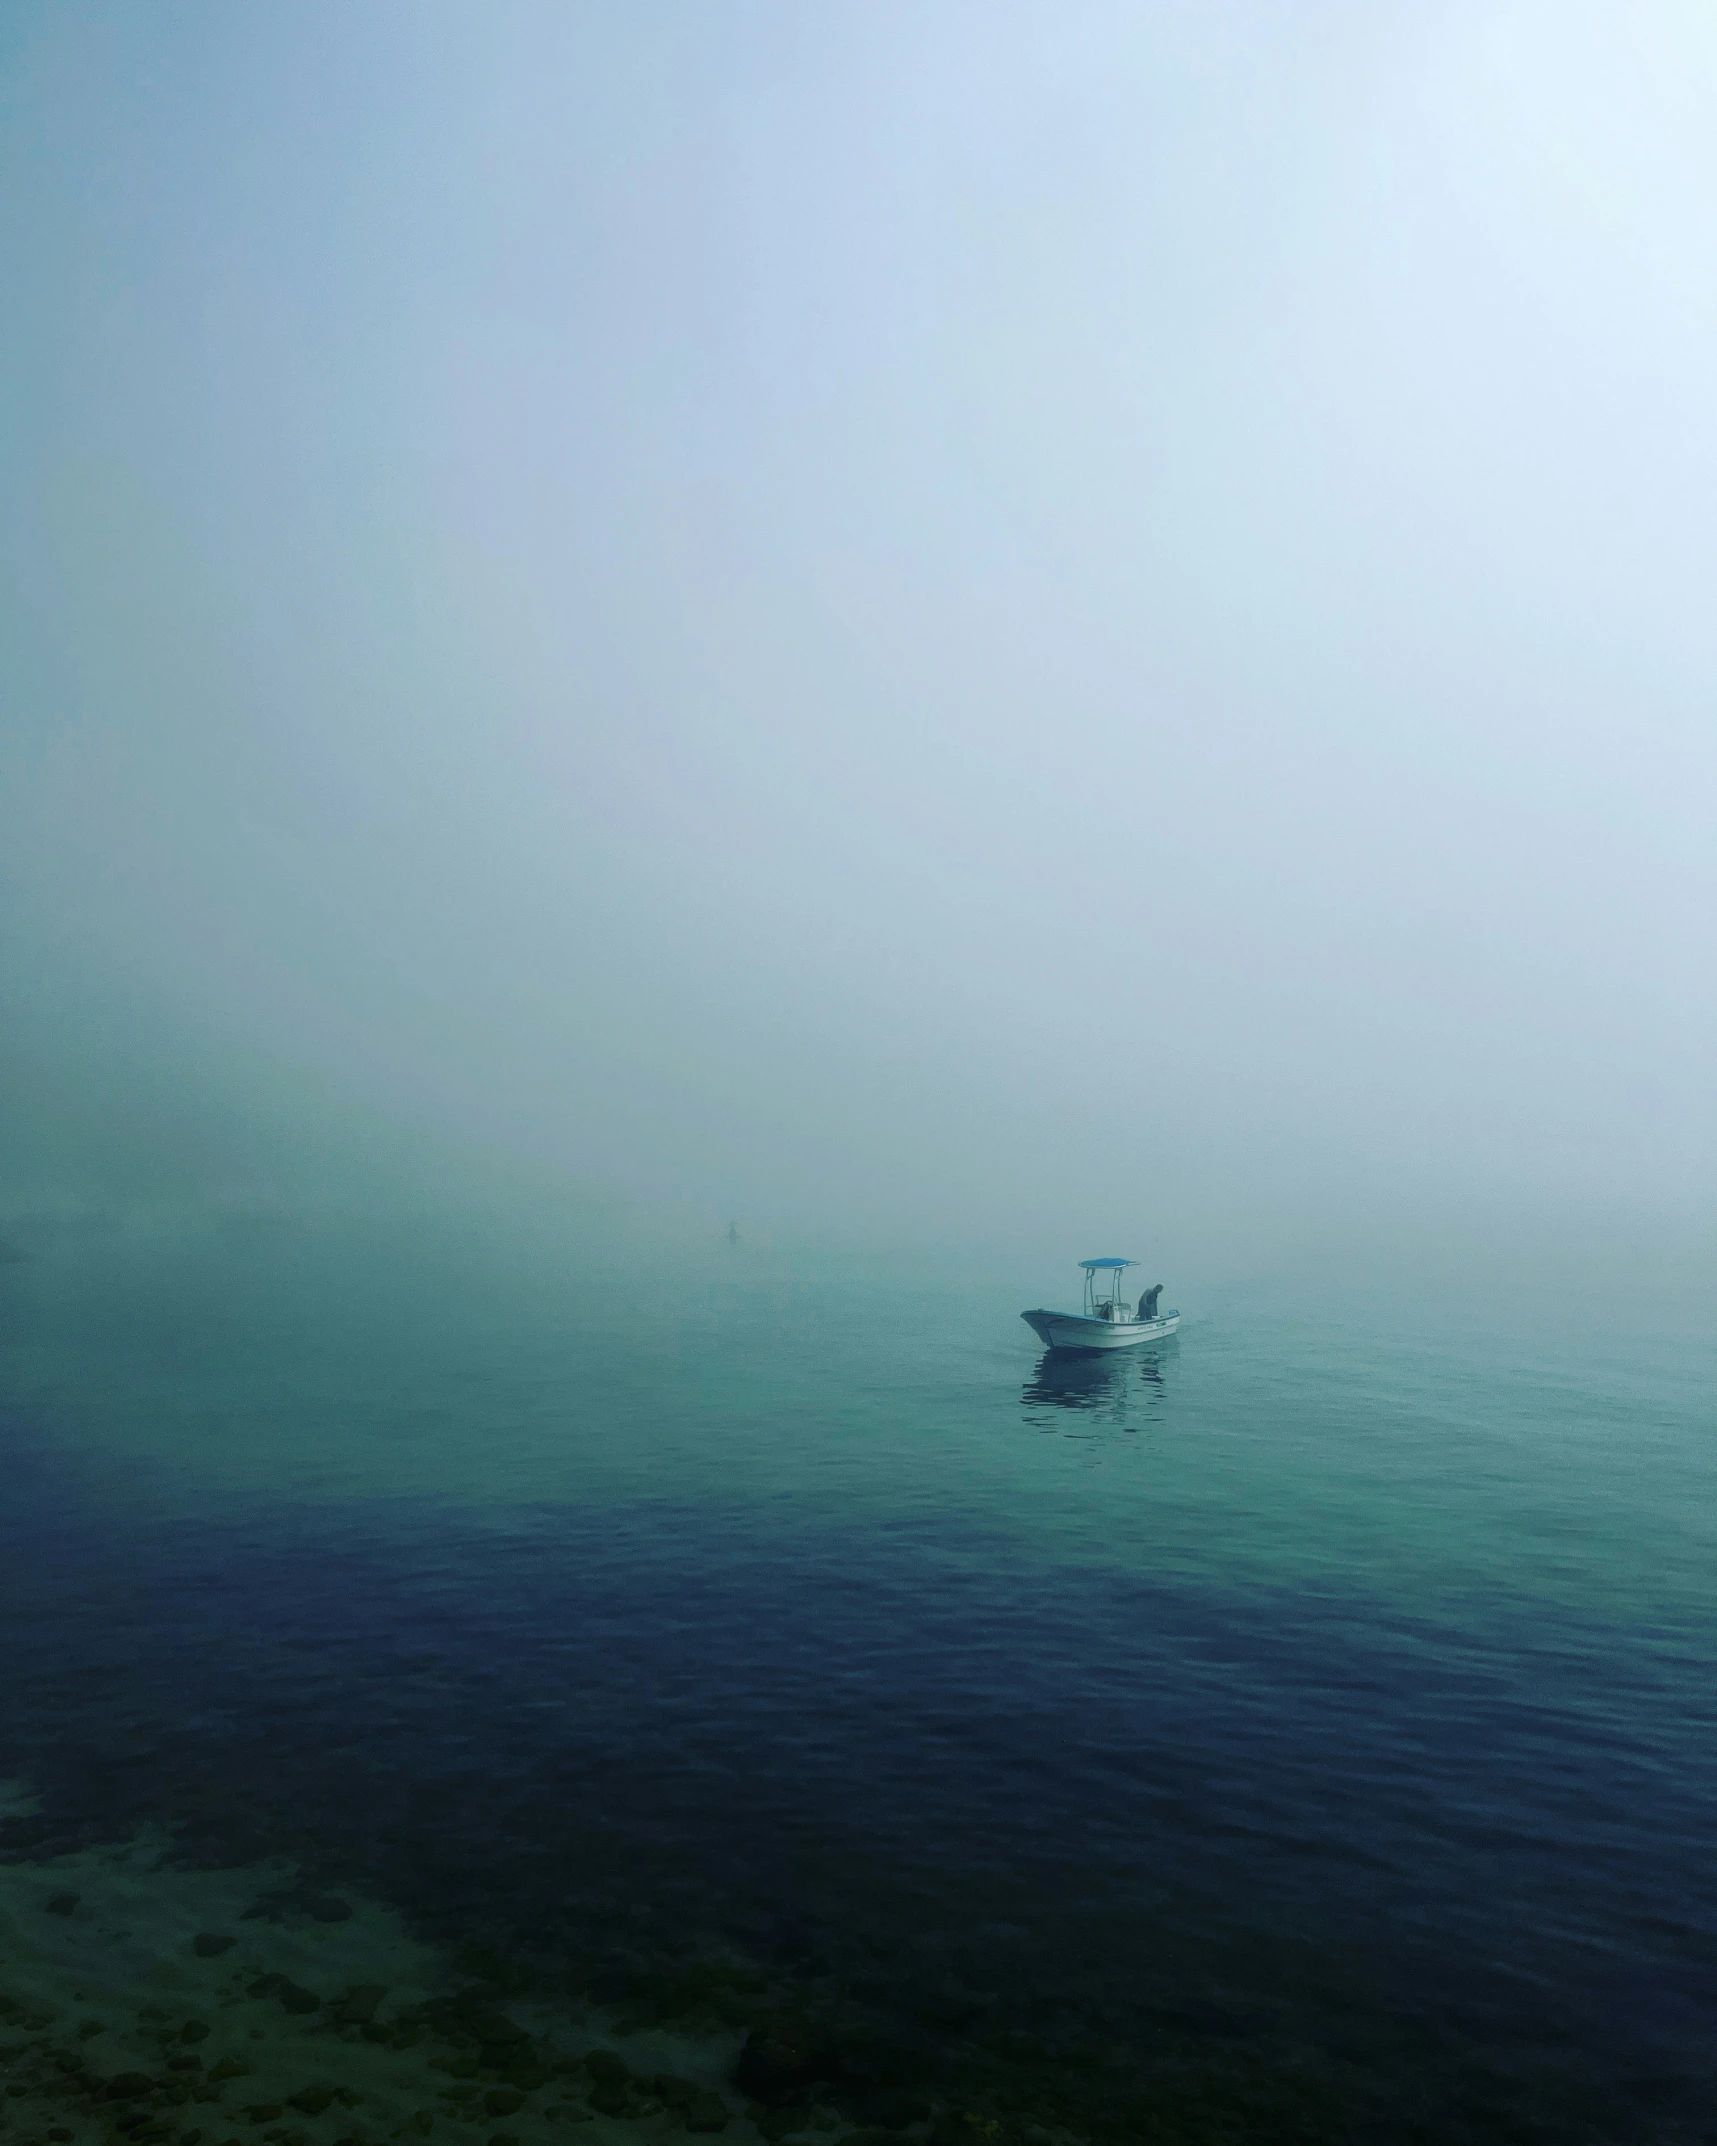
x: 1336, y: 1679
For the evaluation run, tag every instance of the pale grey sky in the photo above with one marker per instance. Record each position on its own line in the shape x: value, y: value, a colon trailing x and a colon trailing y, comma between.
x: 1044, y: 613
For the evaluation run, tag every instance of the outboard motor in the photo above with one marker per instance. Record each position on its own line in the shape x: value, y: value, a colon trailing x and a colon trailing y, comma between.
x: 1148, y: 1302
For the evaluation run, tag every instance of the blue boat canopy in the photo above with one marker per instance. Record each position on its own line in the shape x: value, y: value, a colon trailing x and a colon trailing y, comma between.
x: 1090, y: 1265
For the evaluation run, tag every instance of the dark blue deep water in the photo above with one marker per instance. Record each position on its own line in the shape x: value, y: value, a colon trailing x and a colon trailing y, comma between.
x: 1323, y: 1703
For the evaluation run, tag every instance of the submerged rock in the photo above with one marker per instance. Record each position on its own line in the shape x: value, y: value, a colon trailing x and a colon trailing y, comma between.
x: 614, y: 2088
x: 889, y: 2108
x: 129, y: 2086
x: 291, y: 1996
x: 782, y: 2059
x: 210, y: 1944
x: 62, y: 1903
x: 494, y: 2030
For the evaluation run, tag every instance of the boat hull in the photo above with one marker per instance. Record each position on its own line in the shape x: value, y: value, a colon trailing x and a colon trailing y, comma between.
x: 1069, y: 1330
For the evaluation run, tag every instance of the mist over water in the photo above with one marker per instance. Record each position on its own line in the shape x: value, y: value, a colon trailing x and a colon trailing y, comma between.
x: 685, y: 696
x: 912, y: 615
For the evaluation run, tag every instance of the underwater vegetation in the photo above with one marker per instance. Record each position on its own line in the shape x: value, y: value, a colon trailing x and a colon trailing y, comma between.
x: 145, y: 2001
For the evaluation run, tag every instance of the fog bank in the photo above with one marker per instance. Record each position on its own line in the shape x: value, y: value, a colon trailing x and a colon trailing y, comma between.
x: 1005, y: 617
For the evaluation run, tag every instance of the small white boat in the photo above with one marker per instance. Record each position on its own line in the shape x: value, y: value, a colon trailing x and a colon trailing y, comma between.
x: 1108, y: 1321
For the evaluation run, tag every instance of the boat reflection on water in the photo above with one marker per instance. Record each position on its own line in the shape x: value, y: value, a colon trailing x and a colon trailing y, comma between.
x: 1124, y: 1388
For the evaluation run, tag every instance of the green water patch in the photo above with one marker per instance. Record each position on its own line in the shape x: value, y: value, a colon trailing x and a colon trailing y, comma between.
x: 1430, y: 1438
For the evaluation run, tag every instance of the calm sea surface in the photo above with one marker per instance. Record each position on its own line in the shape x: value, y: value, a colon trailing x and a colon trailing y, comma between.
x: 1332, y: 1688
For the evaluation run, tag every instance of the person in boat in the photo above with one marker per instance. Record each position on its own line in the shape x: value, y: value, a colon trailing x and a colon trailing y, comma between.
x: 1148, y: 1302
